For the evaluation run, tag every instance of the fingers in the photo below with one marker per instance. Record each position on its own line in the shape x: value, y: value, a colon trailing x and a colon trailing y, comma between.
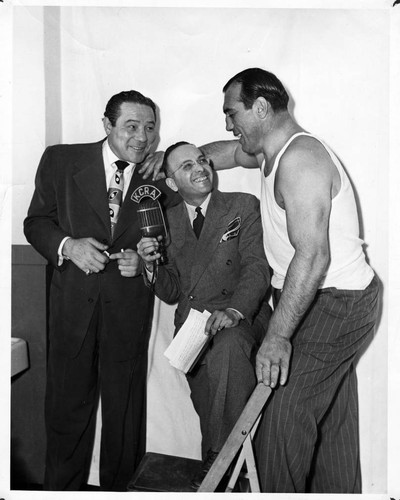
x: 97, y: 260
x: 263, y: 372
x: 267, y: 373
x: 125, y: 257
x: 217, y: 321
x: 274, y: 375
x: 97, y: 244
x: 284, y: 372
x: 152, y: 165
x: 213, y: 324
x: 272, y: 362
x: 233, y: 318
x: 148, y: 249
x: 128, y: 271
x: 100, y: 257
x: 128, y: 262
x: 122, y: 254
x: 87, y: 254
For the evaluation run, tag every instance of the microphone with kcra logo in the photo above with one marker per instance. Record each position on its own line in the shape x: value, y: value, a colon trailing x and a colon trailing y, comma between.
x: 152, y: 223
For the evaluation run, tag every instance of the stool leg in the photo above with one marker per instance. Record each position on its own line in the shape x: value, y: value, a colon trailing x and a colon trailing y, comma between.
x: 251, y: 466
x: 236, y: 471
x: 238, y: 435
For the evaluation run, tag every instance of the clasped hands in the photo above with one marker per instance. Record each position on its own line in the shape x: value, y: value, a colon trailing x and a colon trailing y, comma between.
x: 91, y: 257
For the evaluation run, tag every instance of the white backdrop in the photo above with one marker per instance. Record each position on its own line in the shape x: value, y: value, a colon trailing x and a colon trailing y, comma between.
x: 335, y: 63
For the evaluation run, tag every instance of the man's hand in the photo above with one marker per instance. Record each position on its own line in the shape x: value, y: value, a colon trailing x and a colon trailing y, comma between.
x: 128, y: 262
x: 86, y: 253
x: 272, y: 361
x: 148, y: 250
x: 222, y: 319
x: 152, y: 165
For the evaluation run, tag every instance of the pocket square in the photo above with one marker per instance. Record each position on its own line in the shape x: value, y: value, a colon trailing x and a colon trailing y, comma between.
x: 232, y: 230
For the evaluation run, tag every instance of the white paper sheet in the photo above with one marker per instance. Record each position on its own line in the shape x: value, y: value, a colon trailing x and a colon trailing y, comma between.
x: 189, y: 341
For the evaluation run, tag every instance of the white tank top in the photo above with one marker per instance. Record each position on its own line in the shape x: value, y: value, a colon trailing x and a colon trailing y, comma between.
x: 348, y: 268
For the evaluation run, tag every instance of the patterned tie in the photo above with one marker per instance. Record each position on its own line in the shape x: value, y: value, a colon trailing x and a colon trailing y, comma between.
x: 115, y: 192
x: 198, y: 222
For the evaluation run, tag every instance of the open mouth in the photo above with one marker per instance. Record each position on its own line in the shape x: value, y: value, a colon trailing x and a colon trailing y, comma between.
x: 203, y: 178
x: 137, y: 149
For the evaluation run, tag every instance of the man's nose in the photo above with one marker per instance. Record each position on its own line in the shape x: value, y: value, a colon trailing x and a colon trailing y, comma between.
x: 228, y: 124
x: 198, y: 167
x: 141, y: 135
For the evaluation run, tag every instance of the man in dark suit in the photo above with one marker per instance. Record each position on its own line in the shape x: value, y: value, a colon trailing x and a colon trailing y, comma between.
x: 224, y: 271
x: 100, y: 309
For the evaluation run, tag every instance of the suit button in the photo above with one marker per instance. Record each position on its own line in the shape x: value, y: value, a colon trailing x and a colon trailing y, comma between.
x: 191, y: 297
x: 224, y: 291
x: 228, y: 262
x: 90, y: 300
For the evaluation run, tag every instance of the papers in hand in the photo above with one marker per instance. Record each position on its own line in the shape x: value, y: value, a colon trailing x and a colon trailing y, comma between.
x: 189, y: 342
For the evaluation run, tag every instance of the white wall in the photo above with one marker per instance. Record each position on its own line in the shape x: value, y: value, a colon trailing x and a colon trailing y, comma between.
x: 335, y: 64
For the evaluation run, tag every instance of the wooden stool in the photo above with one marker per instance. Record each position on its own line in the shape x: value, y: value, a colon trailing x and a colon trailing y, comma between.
x: 158, y: 472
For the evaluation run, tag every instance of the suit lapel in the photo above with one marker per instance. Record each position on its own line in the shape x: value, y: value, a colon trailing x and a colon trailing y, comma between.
x: 91, y: 181
x: 128, y: 214
x: 215, y: 223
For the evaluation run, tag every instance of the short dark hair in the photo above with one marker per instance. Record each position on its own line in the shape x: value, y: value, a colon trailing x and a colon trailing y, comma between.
x: 258, y: 82
x: 168, y: 151
x: 113, y: 108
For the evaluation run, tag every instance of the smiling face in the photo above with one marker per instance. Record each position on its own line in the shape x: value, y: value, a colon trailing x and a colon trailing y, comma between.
x: 133, y: 133
x: 190, y: 173
x: 241, y: 121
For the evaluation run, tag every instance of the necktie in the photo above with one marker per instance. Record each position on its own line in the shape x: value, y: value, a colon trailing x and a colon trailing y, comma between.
x: 198, y: 222
x: 115, y: 192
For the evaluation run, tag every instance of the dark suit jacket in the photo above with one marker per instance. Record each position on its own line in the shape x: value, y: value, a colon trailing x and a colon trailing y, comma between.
x: 211, y: 273
x: 70, y: 199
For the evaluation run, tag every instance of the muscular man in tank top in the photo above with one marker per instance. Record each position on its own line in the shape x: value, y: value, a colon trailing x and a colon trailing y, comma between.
x: 325, y: 293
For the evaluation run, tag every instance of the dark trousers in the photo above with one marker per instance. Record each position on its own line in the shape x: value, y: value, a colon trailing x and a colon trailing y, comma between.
x: 223, y: 382
x: 307, y: 440
x: 73, y: 387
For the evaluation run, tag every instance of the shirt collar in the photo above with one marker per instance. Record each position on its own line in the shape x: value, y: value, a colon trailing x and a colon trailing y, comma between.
x: 112, y: 157
x: 192, y: 209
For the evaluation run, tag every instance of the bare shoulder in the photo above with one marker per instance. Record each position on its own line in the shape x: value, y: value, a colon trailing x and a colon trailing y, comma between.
x: 307, y: 152
x: 307, y: 160
x: 306, y: 172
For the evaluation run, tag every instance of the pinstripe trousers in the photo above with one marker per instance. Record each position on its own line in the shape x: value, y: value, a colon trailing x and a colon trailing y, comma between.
x: 308, y: 439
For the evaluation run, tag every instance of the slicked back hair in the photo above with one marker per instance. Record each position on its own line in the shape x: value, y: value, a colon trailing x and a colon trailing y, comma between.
x: 113, y: 108
x: 257, y: 82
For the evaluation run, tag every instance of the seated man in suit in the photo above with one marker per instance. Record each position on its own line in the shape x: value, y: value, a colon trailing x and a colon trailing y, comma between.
x: 222, y: 270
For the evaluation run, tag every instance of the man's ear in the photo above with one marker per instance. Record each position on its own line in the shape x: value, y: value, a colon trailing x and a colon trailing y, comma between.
x: 171, y: 184
x: 261, y: 107
x: 107, y: 125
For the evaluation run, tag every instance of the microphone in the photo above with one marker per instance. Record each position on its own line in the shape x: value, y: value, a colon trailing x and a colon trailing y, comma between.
x: 152, y: 223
